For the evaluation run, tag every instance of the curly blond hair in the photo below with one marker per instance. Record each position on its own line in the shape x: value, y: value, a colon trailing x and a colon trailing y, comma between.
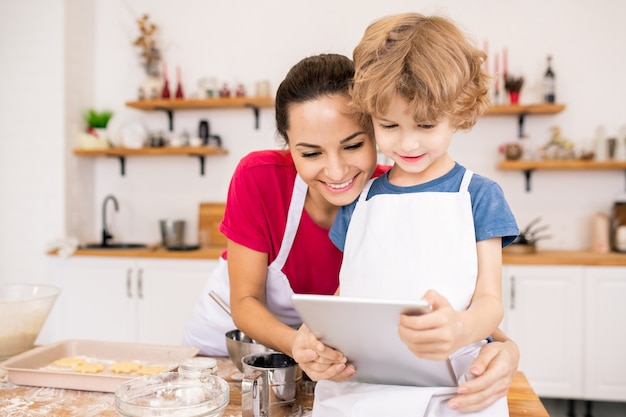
x: 426, y: 60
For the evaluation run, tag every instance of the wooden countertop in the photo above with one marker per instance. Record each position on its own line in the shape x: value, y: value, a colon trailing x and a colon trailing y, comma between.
x: 562, y: 257
x: 22, y: 401
x: 542, y: 257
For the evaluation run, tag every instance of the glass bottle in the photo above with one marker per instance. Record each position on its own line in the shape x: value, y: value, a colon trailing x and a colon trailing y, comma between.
x: 549, y: 83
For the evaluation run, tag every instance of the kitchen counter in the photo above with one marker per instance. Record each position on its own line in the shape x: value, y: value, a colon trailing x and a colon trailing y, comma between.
x: 562, y: 257
x: 542, y: 257
x: 22, y: 401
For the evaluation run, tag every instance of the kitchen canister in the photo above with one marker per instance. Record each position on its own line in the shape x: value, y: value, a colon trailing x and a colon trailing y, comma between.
x: 600, y: 227
x: 618, y: 226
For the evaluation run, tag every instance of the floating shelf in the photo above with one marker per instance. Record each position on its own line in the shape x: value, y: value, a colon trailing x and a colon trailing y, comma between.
x: 569, y: 164
x: 121, y: 153
x: 522, y: 110
x: 169, y: 105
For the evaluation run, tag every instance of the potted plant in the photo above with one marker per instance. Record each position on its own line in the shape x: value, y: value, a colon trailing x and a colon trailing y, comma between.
x: 513, y: 85
x: 95, y: 136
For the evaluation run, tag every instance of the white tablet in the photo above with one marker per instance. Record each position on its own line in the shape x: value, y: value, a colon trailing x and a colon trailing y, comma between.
x: 366, y: 331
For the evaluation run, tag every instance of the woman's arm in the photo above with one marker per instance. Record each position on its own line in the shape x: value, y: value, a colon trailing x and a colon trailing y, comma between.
x: 247, y: 270
x: 493, y: 369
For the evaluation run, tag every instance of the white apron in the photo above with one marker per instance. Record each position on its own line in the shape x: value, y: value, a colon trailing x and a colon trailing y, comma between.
x: 208, y: 323
x: 400, y: 246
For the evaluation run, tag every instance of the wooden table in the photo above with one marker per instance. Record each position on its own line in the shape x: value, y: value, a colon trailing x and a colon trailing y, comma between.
x: 21, y: 401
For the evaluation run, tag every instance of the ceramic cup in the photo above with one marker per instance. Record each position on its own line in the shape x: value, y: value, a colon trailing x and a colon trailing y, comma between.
x: 270, y: 386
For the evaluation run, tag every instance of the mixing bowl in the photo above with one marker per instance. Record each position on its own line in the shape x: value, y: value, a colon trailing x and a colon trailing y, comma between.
x: 24, y: 309
x: 172, y: 394
x: 240, y: 345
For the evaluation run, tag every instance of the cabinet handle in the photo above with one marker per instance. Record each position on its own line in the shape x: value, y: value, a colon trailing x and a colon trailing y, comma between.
x: 129, y: 278
x: 140, y: 283
x: 513, y: 293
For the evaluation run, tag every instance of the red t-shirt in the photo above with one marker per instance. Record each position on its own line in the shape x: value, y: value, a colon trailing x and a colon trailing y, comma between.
x: 256, y: 215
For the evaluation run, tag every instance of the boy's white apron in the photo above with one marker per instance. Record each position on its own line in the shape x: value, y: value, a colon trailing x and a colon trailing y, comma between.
x: 423, y: 241
x: 208, y: 323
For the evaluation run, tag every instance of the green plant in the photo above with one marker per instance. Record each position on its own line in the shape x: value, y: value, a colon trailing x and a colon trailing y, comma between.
x: 96, y: 119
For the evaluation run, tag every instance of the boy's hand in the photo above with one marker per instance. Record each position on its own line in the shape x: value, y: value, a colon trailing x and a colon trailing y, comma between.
x: 317, y: 360
x: 433, y: 335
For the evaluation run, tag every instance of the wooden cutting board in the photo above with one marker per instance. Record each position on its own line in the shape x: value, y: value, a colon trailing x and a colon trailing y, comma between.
x: 209, y: 217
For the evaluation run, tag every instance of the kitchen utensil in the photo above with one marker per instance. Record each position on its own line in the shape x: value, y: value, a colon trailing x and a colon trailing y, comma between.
x: 270, y: 386
x: 199, y: 368
x: 170, y: 393
x: 238, y: 345
x: 219, y: 301
x: 172, y: 232
x: 24, y: 309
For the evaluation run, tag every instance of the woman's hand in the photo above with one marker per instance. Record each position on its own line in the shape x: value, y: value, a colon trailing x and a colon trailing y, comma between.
x: 317, y: 360
x: 434, y: 335
x: 493, y: 370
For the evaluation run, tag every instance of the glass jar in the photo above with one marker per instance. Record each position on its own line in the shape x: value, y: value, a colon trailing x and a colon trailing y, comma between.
x: 198, y: 368
x: 618, y: 227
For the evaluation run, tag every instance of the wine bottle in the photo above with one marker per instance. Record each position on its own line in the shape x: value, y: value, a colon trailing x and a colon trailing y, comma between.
x: 549, y: 83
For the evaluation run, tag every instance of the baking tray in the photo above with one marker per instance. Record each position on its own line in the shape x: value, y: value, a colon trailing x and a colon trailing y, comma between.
x: 34, y: 367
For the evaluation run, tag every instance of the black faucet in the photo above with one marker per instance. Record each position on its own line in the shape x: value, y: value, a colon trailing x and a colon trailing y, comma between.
x: 106, y: 236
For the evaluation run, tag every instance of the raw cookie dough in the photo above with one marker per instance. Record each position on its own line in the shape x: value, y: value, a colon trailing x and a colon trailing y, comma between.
x: 125, y: 367
x: 151, y: 370
x: 68, y: 362
x: 89, y: 368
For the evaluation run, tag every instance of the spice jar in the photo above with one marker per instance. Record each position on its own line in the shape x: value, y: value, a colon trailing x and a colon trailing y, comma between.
x: 618, y: 227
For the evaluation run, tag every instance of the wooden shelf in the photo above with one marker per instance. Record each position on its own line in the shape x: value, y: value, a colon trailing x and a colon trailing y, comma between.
x: 206, y: 103
x: 568, y: 164
x: 121, y: 153
x: 169, y: 105
x: 527, y: 167
x: 518, y: 109
x: 522, y: 110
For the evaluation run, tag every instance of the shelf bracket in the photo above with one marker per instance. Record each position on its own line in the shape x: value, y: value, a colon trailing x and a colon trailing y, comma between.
x: 255, y: 109
x: 528, y: 174
x: 170, y: 117
x: 122, y: 160
x: 201, y: 159
x: 520, y: 125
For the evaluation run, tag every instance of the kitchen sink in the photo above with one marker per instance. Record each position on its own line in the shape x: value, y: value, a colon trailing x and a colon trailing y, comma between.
x: 115, y: 246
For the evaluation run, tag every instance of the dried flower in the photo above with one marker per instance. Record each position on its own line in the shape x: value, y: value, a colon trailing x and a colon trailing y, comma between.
x: 150, y: 52
x: 513, y: 84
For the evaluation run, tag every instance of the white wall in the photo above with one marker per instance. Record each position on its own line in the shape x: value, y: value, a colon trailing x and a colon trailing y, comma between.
x: 245, y: 40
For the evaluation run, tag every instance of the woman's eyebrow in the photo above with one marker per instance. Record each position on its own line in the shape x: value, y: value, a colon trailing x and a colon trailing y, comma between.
x: 347, y: 139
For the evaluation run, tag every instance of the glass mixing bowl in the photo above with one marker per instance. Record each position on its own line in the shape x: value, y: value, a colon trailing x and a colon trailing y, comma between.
x: 24, y: 309
x: 172, y: 394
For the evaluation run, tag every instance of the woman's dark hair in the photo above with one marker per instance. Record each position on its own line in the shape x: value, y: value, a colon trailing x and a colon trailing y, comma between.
x: 310, y: 79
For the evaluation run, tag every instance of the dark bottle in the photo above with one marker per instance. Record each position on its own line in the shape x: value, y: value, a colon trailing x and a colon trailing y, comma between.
x: 549, y: 83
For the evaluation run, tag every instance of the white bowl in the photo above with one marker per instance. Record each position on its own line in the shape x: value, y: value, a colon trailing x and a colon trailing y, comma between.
x: 24, y: 309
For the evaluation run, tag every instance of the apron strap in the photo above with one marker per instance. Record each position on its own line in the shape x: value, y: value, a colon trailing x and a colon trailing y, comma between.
x: 366, y: 190
x: 467, y: 177
x: 293, y: 221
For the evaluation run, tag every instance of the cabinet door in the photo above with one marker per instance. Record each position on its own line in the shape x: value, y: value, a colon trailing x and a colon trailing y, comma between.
x: 605, y: 344
x: 167, y: 291
x: 96, y: 300
x: 544, y: 316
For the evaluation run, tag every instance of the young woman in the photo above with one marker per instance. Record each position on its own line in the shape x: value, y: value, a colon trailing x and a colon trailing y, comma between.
x: 280, y: 207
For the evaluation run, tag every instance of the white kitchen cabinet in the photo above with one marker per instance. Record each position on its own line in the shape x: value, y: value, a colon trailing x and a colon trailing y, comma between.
x: 569, y: 324
x: 125, y: 299
x: 605, y: 333
x: 544, y: 315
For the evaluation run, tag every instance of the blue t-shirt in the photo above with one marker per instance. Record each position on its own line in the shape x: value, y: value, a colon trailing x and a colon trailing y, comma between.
x: 492, y: 215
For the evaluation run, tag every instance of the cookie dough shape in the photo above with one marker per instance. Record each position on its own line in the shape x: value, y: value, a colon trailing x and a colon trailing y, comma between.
x: 125, y: 367
x: 68, y: 362
x: 151, y: 370
x: 89, y: 368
